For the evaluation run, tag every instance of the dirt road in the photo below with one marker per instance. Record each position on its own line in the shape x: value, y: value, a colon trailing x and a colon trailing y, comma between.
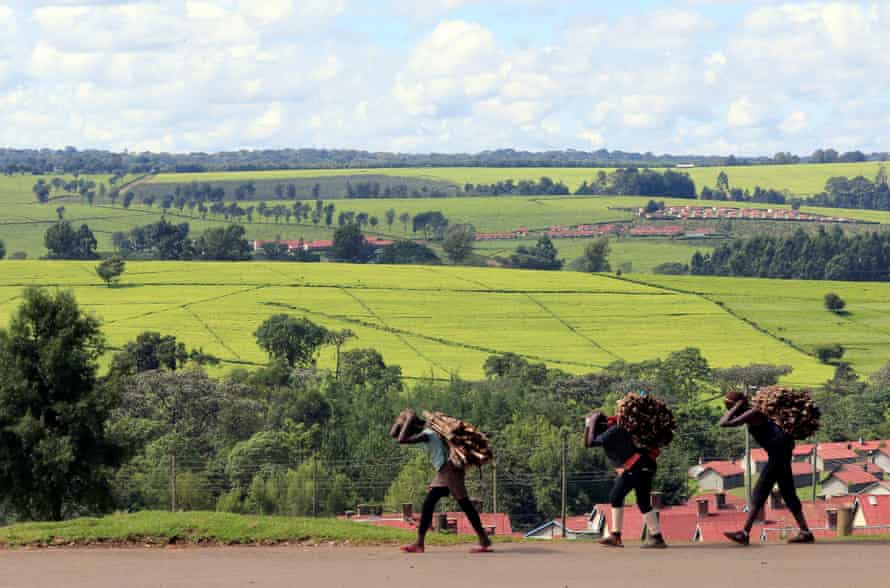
x: 516, y: 566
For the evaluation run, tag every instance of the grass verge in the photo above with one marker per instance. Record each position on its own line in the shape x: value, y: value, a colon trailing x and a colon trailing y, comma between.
x: 200, y: 528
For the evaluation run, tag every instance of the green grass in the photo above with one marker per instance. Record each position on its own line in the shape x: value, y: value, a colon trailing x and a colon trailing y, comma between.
x: 794, y: 310
x: 430, y: 320
x: 799, y: 179
x: 161, y: 528
x: 641, y: 254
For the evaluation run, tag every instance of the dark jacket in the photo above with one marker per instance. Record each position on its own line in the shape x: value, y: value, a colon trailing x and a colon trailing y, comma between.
x: 618, y: 445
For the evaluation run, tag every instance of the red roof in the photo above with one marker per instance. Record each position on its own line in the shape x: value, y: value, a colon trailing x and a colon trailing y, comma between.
x: 576, y: 524
x: 875, y: 509
x: 801, y: 468
x: 678, y: 526
x: 853, y: 476
x: 633, y: 520
x: 733, y: 502
x: 723, y: 468
x: 834, y: 451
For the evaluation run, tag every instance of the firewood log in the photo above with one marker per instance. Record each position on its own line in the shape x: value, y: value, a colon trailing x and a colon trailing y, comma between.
x: 649, y: 420
x: 794, y: 411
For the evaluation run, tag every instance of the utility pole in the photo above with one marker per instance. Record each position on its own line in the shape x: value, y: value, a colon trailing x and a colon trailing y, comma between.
x: 748, y: 465
x: 815, y: 471
x: 750, y: 476
x: 565, y: 450
x: 173, y: 482
x: 315, y: 486
x: 494, y: 485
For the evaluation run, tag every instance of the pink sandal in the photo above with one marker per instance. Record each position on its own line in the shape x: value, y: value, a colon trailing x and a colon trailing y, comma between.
x: 413, y: 548
x: 482, y: 549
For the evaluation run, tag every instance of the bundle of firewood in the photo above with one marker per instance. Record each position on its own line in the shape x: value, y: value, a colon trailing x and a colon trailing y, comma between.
x: 793, y: 410
x: 648, y: 420
x: 468, y: 446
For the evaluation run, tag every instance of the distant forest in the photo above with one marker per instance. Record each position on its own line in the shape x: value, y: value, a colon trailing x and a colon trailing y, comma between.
x: 71, y: 160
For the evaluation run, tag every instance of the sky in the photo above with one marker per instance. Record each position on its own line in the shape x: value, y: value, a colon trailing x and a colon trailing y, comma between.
x: 682, y: 77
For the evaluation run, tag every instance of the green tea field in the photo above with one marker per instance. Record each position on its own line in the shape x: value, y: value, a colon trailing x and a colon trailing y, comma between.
x: 794, y: 310
x: 802, y: 179
x: 438, y: 321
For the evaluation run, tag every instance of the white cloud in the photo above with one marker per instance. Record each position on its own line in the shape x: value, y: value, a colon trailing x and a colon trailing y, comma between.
x: 795, y: 122
x: 743, y: 113
x: 445, y: 75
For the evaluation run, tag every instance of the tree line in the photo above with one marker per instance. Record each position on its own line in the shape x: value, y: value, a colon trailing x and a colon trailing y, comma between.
x: 155, y: 431
x: 825, y: 255
x: 858, y: 192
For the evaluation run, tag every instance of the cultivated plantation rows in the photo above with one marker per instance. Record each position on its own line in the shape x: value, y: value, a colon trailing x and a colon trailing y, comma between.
x: 439, y: 321
x: 799, y: 179
x: 795, y: 310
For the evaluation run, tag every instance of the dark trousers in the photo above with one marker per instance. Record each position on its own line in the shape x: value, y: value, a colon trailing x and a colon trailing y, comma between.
x: 639, y: 479
x: 777, y: 471
x: 429, y: 508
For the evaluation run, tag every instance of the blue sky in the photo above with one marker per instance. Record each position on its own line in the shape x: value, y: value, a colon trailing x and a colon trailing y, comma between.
x: 689, y: 76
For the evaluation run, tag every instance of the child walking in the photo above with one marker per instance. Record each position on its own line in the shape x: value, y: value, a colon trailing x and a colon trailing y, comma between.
x: 449, y: 479
x: 636, y: 469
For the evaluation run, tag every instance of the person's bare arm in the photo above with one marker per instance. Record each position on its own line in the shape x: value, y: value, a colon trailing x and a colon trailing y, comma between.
x: 737, y: 417
x: 405, y: 436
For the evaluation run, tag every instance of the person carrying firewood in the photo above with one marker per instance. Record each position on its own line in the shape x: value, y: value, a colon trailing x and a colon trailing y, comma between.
x: 779, y: 447
x: 636, y: 468
x: 449, y: 479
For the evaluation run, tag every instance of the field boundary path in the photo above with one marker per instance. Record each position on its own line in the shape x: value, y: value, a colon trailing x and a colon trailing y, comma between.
x: 722, y: 306
x: 569, y: 565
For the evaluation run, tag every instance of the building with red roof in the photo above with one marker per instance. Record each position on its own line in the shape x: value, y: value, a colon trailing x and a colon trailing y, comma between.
x: 720, y: 476
x: 872, y: 511
x: 845, y: 481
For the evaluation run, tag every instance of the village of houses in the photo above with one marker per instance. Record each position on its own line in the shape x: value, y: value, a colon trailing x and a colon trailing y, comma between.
x: 853, y: 498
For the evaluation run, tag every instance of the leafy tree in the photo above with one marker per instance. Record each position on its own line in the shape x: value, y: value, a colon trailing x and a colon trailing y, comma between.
x: 404, y: 218
x: 595, y: 258
x: 671, y: 268
x: 432, y: 223
x: 153, y: 351
x: 834, y: 303
x: 542, y: 256
x: 271, y: 450
x: 350, y: 245
x: 295, y: 340
x: 53, y: 414
x: 723, y: 181
x: 63, y: 242
x: 276, y: 251
x: 338, y: 339
x: 2, y: 249
x: 458, y: 243
x: 829, y: 353
x: 223, y: 244
x: 111, y: 270
x: 745, y: 377
x: 407, y: 252
x: 410, y: 485
x: 390, y: 216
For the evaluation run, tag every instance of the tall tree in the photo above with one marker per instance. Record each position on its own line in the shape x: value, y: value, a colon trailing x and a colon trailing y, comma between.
x: 63, y: 242
x: 458, y: 243
x: 295, y: 340
x: 223, y: 244
x: 111, y: 270
x: 595, y: 258
x: 53, y: 414
x: 350, y: 245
